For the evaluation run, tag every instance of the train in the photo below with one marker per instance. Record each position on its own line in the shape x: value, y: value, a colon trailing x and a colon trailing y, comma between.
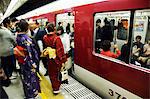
x: 108, y: 77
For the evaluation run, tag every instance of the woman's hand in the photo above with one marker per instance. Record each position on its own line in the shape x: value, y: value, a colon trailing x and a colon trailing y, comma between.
x: 62, y: 67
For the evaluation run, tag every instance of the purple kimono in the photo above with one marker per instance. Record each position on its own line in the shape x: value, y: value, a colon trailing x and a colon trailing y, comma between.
x: 30, y: 79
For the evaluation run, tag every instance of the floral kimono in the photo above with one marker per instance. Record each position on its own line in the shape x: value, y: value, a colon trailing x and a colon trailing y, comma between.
x: 28, y: 66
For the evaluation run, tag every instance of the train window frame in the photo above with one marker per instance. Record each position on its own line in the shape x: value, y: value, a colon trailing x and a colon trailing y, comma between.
x: 140, y: 15
x: 94, y: 37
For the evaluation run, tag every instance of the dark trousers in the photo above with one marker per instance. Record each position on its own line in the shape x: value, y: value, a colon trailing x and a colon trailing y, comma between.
x: 44, y: 61
x: 3, y: 94
x: 8, y: 64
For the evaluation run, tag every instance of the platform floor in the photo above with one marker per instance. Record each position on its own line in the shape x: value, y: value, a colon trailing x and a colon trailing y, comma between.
x: 73, y: 90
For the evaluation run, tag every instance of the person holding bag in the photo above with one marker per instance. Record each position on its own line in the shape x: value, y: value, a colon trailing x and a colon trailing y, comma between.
x: 54, y: 64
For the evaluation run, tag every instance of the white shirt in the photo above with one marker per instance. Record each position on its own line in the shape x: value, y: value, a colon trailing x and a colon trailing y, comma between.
x: 66, y: 42
x: 35, y: 31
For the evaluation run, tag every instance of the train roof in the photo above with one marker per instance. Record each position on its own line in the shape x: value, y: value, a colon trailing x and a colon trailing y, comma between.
x: 58, y: 5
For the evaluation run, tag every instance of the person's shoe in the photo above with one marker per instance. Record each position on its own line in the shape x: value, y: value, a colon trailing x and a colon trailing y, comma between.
x: 12, y: 77
x: 56, y: 92
x: 38, y: 97
x: 15, y: 74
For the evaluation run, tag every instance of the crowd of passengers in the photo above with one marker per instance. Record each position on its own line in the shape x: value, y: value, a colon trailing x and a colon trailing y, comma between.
x: 25, y: 41
x: 104, y: 44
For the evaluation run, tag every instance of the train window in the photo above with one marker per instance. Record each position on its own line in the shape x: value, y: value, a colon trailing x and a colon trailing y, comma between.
x: 141, y: 39
x: 111, y: 30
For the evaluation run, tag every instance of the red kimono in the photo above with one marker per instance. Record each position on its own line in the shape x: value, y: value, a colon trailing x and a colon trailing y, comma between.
x: 54, y: 65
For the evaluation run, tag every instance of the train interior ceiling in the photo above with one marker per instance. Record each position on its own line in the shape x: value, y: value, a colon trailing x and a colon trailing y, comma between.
x: 109, y: 46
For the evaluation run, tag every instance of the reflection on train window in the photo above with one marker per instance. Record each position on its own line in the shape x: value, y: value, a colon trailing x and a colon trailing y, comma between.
x: 141, y: 44
x: 111, y: 32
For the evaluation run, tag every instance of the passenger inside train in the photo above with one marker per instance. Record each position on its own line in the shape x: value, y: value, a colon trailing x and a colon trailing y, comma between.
x: 74, y: 49
x: 114, y: 26
x: 106, y: 49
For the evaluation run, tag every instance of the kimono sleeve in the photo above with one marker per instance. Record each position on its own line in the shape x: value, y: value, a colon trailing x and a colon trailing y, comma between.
x: 29, y: 50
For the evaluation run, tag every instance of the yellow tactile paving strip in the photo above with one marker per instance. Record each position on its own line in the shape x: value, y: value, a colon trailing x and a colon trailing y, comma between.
x: 46, y: 90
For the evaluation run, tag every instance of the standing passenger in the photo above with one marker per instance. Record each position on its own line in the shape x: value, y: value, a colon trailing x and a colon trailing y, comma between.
x: 68, y: 28
x: 28, y: 63
x: 5, y: 50
x: 98, y: 42
x: 39, y: 33
x: 65, y: 39
x: 54, y: 65
x: 9, y: 62
x: 107, y: 33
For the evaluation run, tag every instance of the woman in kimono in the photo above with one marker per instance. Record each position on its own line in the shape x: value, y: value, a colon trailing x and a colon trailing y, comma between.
x: 54, y: 65
x: 28, y: 63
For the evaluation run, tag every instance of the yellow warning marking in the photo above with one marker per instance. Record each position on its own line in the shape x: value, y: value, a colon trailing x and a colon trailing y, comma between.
x: 46, y: 89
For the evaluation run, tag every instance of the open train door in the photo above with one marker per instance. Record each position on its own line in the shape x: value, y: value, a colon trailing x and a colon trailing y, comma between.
x: 66, y: 20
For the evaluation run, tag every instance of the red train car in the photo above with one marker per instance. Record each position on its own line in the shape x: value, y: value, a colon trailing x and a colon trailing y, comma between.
x: 108, y: 77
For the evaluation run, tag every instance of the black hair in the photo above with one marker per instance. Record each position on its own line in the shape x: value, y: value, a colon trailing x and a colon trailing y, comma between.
x: 68, y: 28
x: 106, y: 45
x: 60, y: 28
x: 68, y: 24
x: 22, y: 26
x: 47, y: 23
x: 14, y: 19
x: 138, y: 37
x: 106, y: 21
x: 98, y: 21
x: 6, y: 21
x: 36, y: 22
x: 50, y: 27
x: 59, y: 23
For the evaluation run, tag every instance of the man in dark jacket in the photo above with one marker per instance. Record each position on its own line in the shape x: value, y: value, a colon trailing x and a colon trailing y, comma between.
x: 39, y: 33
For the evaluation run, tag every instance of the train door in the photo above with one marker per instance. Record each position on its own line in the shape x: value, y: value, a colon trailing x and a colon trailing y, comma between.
x: 113, y: 26
x: 141, y: 30
x: 66, y: 20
